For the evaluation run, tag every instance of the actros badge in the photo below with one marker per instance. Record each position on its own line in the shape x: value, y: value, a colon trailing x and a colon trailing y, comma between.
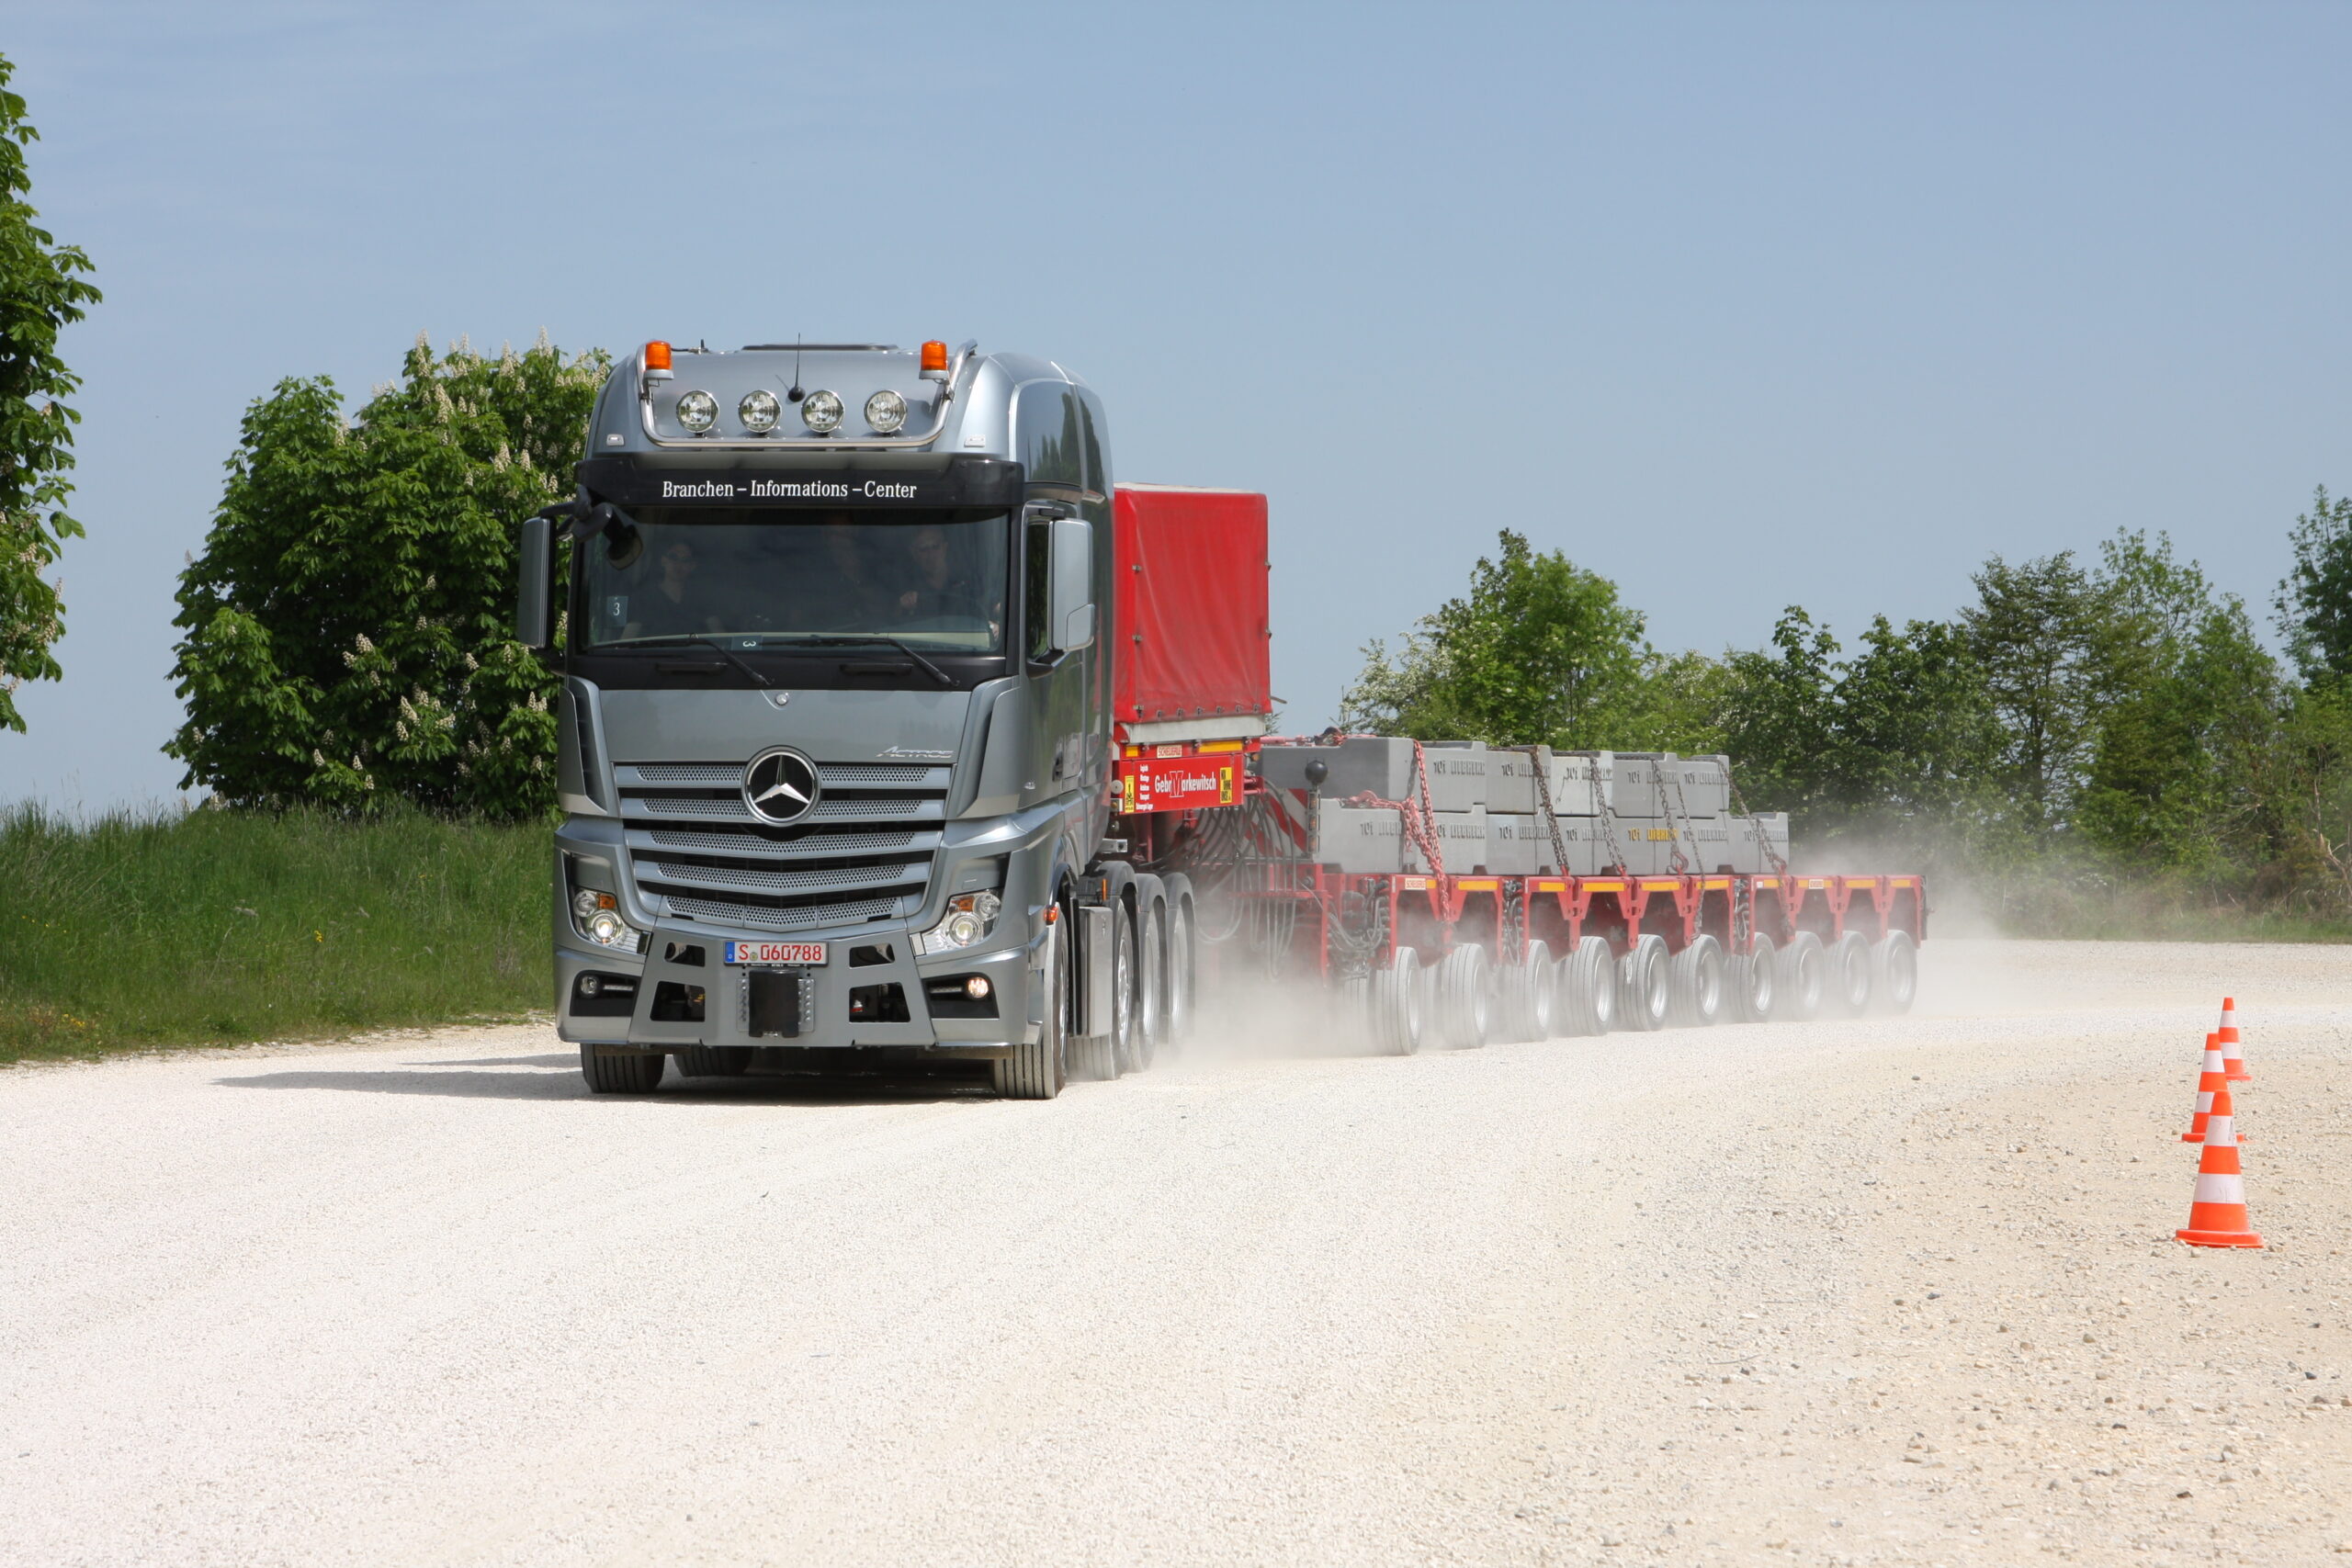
x: 780, y: 787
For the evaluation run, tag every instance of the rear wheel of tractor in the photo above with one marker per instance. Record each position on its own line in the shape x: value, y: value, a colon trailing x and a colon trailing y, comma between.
x: 1151, y: 980
x: 1106, y: 1053
x: 1176, y: 1026
x: 1532, y: 989
x: 1642, y: 989
x: 1396, y: 1004
x: 1756, y: 982
x: 621, y: 1072
x: 1894, y: 973
x: 1804, y: 977
x: 715, y: 1061
x: 1848, y: 989
x: 1035, y: 1070
x: 1696, y: 984
x: 1466, y: 998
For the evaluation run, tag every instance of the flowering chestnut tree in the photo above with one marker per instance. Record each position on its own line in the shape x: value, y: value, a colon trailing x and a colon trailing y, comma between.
x: 348, y: 631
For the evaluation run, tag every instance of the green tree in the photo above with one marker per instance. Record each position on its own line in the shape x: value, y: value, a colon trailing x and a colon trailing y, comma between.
x: 1779, y: 716
x: 2314, y: 600
x: 41, y: 290
x: 348, y: 631
x: 2040, y: 634
x: 2192, y: 703
x: 1539, y: 652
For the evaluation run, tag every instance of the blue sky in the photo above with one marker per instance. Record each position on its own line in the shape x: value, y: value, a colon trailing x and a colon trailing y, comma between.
x: 1743, y: 305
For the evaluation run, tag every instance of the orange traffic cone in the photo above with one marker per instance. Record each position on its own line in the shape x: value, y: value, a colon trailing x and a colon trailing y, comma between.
x: 2233, y: 1058
x: 2217, y: 1214
x: 2208, y: 1081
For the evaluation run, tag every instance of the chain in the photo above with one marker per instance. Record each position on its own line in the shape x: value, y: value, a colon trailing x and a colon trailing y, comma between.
x: 1544, y: 791
x: 1415, y: 817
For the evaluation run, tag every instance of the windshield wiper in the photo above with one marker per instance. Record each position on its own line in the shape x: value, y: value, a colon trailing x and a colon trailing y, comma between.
x: 934, y: 670
x: 688, y: 639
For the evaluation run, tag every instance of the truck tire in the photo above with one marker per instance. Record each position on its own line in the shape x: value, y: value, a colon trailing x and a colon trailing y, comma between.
x: 1803, y: 977
x: 1847, y: 992
x: 1894, y: 973
x: 1527, y: 989
x: 713, y: 1061
x: 1642, y: 987
x: 1466, y: 998
x: 621, y: 1072
x: 1151, y: 977
x: 1036, y: 1069
x: 1695, y: 984
x: 1106, y: 1055
x: 1397, y: 1000
x: 1176, y: 1033
x: 1755, y: 986
x: 1587, y: 1001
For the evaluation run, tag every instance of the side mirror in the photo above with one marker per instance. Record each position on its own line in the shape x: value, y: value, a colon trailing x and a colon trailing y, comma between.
x: 531, y: 619
x: 1071, y: 621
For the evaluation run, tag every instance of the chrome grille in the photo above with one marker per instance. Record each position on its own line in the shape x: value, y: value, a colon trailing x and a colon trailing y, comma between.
x: 863, y: 854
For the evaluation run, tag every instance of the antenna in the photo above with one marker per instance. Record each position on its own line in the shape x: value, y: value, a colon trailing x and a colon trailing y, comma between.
x: 796, y: 394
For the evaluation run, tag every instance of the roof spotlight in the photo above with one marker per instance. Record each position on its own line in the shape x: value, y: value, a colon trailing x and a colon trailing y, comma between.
x: 698, y: 411
x: 820, y: 411
x: 759, y: 411
x: 886, y: 410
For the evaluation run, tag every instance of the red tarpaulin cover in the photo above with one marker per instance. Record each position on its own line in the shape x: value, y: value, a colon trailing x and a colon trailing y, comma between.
x: 1192, y: 623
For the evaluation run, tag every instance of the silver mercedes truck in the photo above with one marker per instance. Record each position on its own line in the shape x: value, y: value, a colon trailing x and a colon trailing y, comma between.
x: 836, y: 768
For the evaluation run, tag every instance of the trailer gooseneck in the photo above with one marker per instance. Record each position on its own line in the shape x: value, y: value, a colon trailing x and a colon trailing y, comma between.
x: 945, y: 745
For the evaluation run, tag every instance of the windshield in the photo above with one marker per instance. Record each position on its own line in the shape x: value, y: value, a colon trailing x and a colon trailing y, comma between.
x: 932, y: 580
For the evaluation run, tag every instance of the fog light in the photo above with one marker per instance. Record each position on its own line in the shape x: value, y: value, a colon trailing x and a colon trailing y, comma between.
x: 977, y: 987
x: 698, y: 411
x: 590, y: 984
x: 886, y: 411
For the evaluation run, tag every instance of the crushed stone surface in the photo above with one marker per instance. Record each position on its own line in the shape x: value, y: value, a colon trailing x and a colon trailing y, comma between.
x: 1882, y: 1292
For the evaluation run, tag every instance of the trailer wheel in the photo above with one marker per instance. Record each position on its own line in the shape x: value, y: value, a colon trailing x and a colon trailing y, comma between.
x: 1035, y: 1070
x: 1151, y: 972
x: 1695, y: 984
x: 621, y: 1072
x: 1805, y: 975
x: 1848, y: 990
x: 1529, y: 992
x: 1642, y: 987
x: 1756, y: 977
x: 1587, y: 1002
x: 1396, y: 1011
x: 1894, y: 973
x: 713, y: 1061
x: 1176, y: 1025
x: 1466, y: 998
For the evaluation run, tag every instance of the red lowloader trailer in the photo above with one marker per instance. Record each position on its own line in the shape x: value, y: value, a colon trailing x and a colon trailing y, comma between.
x: 1449, y: 893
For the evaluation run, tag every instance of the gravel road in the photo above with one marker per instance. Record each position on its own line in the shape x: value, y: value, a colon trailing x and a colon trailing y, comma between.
x: 1869, y: 1293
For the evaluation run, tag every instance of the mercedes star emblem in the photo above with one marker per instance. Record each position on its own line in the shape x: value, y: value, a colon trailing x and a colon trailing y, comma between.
x: 780, y: 787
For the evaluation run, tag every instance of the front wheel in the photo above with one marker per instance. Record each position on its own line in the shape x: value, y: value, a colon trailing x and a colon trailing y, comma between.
x: 610, y: 1071
x: 1036, y: 1070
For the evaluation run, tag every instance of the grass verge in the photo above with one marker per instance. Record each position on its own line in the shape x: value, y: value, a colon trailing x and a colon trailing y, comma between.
x: 220, y: 927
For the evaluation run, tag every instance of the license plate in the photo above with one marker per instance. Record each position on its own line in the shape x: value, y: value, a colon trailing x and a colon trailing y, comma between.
x: 811, y: 953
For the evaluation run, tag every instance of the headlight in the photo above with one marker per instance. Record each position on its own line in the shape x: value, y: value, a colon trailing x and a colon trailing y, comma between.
x: 759, y: 411
x: 970, y: 917
x: 886, y: 411
x: 820, y: 411
x: 597, y: 917
x: 698, y: 411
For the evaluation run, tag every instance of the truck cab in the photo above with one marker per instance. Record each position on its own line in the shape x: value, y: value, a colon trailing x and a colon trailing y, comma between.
x: 836, y: 743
